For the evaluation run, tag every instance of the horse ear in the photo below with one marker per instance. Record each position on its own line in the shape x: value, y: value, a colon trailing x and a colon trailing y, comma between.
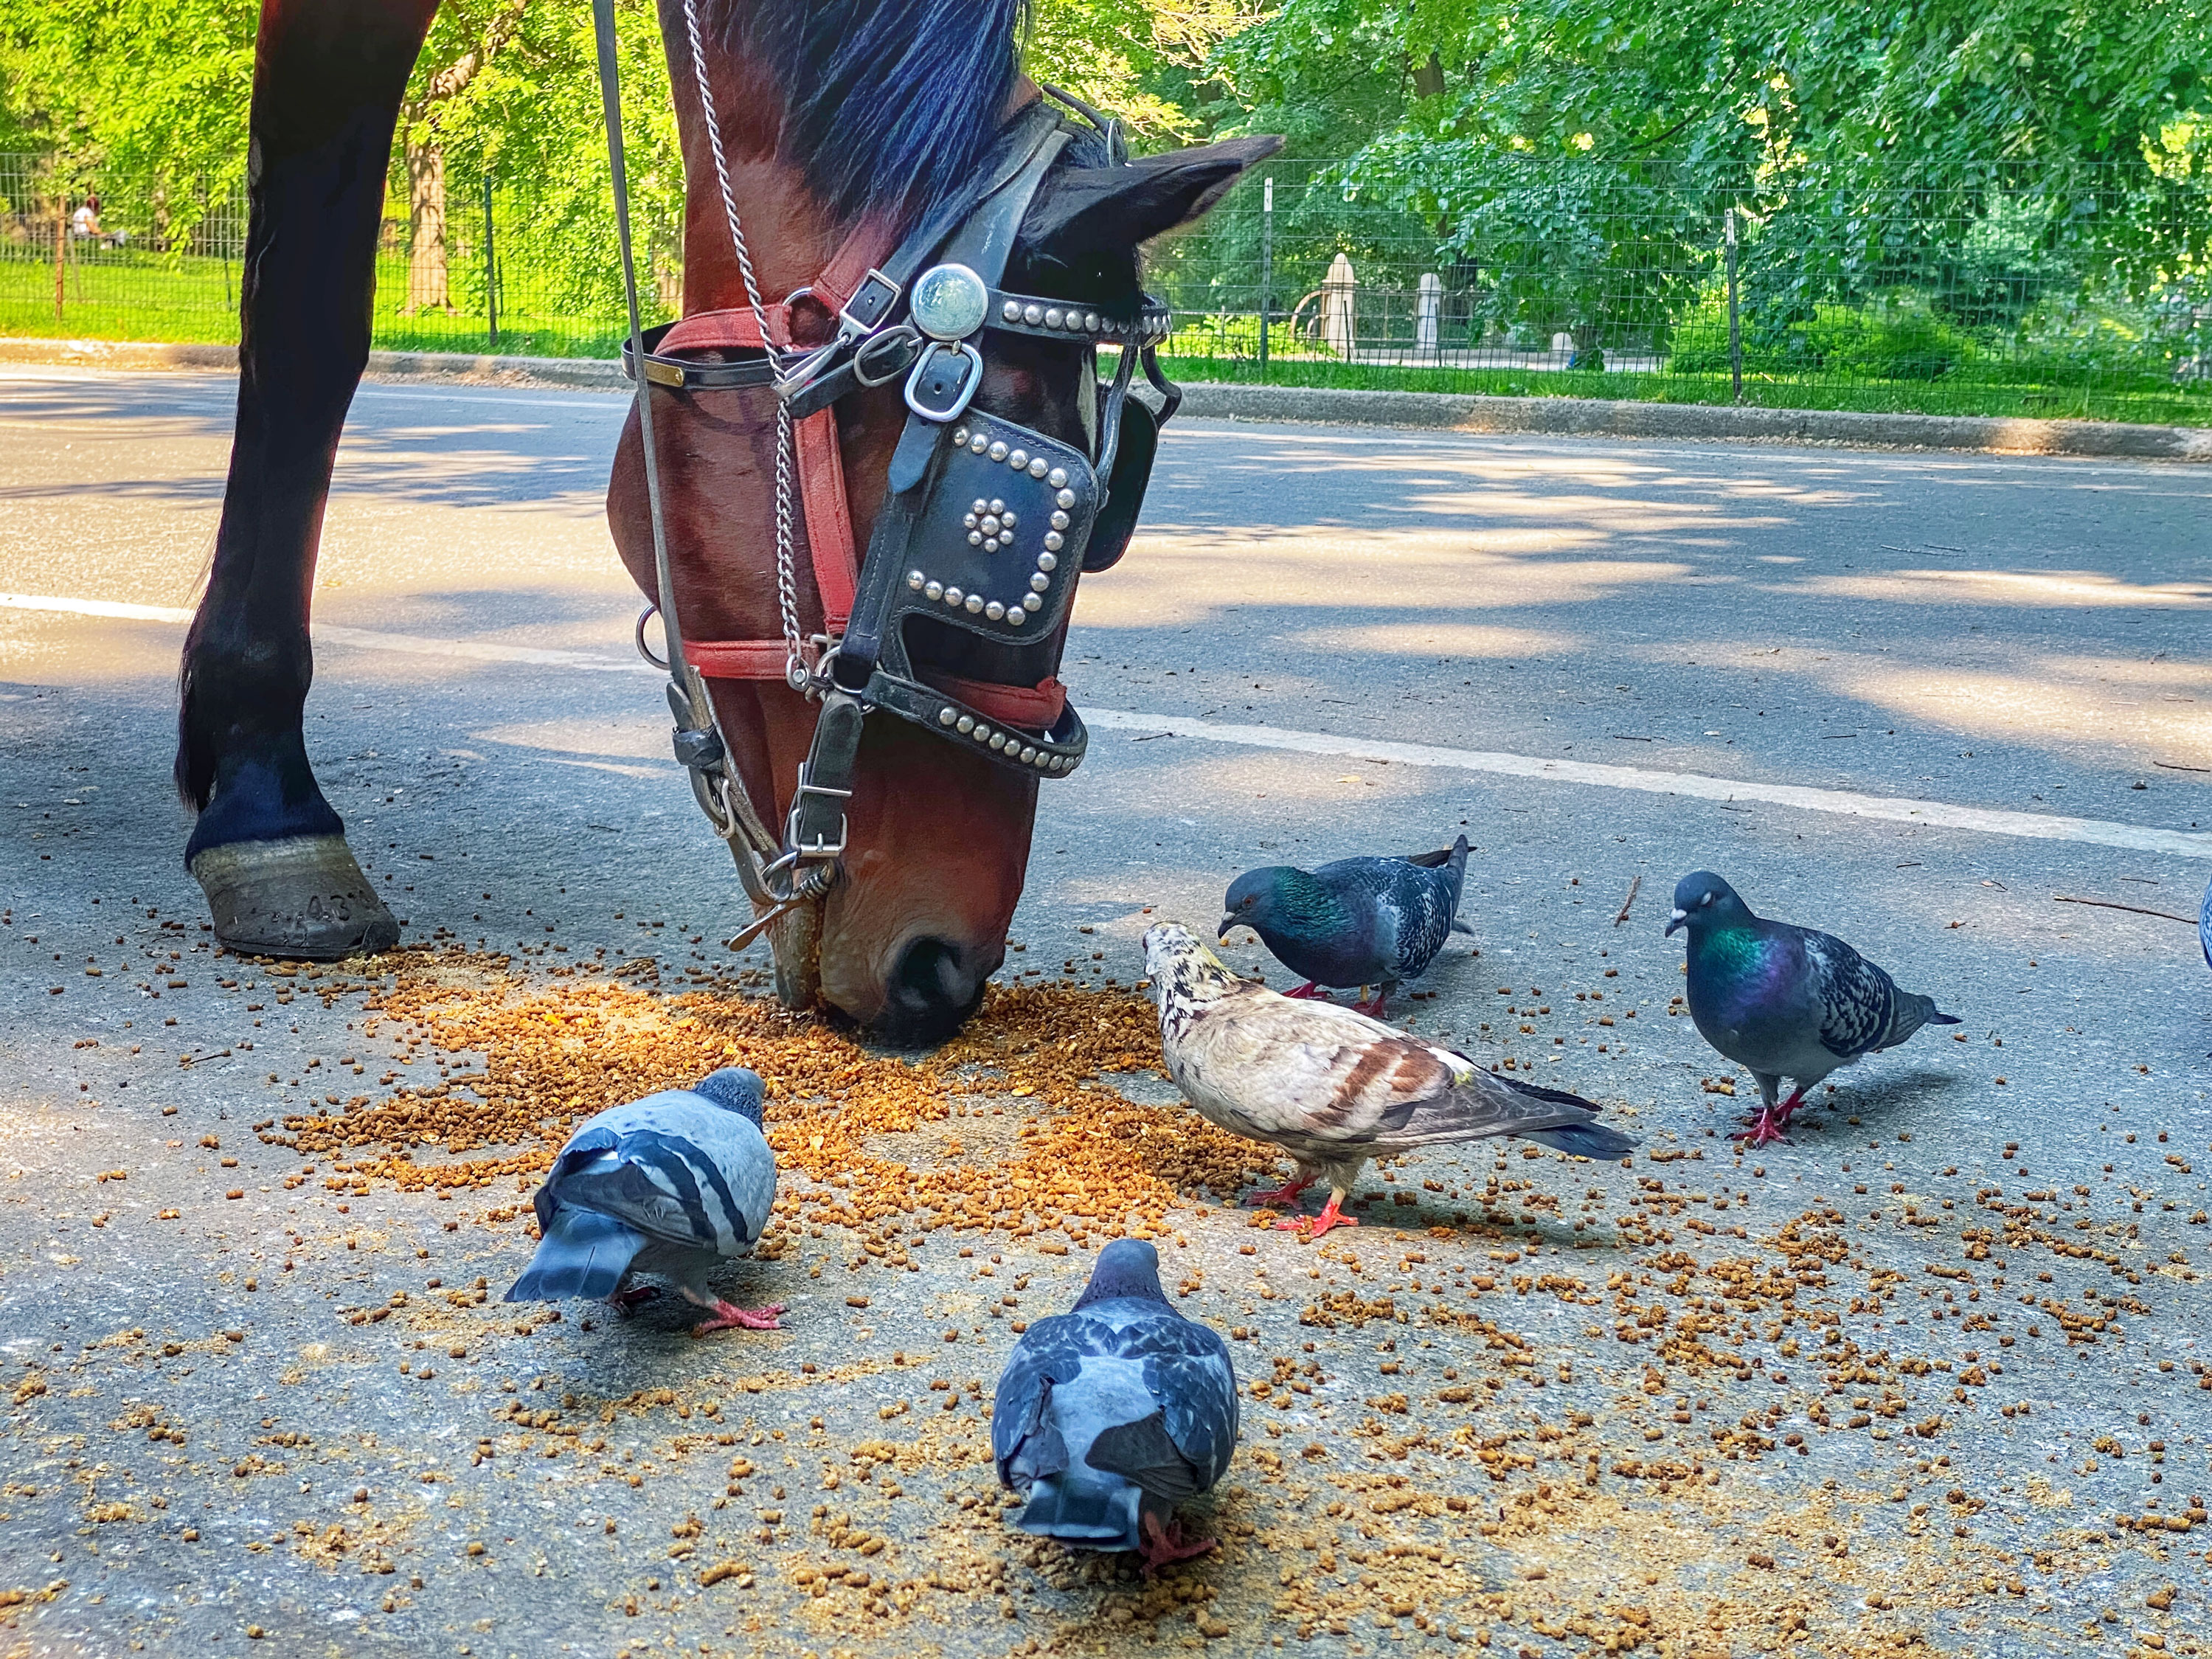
x: 1092, y: 214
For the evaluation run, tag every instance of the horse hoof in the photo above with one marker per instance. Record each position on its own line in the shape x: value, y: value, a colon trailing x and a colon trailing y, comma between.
x: 302, y: 898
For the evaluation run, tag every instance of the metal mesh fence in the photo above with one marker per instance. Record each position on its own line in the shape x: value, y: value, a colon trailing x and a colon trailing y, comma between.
x: 1966, y: 289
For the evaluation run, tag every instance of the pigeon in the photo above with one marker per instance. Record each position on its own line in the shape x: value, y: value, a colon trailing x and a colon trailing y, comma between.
x: 1109, y: 1415
x: 1785, y: 1001
x: 2204, y: 930
x: 1359, y: 921
x: 1332, y: 1087
x: 670, y: 1184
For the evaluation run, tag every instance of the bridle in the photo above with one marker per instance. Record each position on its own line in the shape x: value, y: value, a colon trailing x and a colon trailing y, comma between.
x: 985, y: 523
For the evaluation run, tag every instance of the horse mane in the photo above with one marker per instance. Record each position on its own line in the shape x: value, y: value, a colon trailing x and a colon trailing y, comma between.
x: 890, y: 104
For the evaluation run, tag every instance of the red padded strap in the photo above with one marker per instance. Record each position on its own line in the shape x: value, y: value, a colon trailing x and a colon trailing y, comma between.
x: 738, y: 660
x: 1037, y: 707
x: 869, y: 244
x: 828, y: 517
x: 734, y: 330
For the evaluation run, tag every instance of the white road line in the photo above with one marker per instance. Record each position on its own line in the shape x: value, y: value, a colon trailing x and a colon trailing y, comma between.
x: 1936, y: 815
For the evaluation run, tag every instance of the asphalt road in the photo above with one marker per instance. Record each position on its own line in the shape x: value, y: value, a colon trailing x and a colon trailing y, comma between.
x: 1939, y: 695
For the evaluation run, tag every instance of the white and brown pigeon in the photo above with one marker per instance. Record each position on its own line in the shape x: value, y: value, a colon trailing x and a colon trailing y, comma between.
x: 1332, y: 1087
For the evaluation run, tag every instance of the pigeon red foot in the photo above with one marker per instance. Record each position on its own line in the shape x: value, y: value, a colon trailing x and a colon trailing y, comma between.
x: 1310, y: 990
x: 1287, y: 1195
x: 628, y: 1302
x: 1311, y: 1230
x: 1163, y: 1546
x: 1768, y: 1125
x: 729, y: 1316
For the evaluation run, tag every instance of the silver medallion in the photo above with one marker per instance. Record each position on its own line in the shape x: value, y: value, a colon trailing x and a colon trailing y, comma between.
x: 949, y: 302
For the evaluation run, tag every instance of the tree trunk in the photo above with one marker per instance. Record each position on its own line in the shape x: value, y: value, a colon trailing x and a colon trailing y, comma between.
x: 426, y: 228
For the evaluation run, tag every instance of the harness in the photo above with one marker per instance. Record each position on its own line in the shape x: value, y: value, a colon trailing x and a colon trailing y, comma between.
x: 985, y: 523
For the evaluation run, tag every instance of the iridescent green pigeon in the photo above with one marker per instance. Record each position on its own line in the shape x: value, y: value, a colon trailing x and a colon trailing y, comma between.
x: 1365, y: 922
x: 1784, y: 1001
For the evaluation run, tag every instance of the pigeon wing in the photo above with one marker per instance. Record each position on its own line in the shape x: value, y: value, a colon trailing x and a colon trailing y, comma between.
x: 1312, y: 1073
x: 1196, y: 1387
x: 1023, y: 1444
x: 1855, y: 999
x: 683, y: 1172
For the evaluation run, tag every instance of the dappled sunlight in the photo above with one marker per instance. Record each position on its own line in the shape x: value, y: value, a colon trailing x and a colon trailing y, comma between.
x: 643, y: 736
x: 1421, y: 639
x: 2029, y: 707
x: 2012, y: 587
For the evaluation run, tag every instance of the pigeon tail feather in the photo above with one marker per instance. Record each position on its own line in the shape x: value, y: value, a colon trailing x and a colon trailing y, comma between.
x: 1084, y: 1507
x: 1583, y: 1140
x: 583, y: 1254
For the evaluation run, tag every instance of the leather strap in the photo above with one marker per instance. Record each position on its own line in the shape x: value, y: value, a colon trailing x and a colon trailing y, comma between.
x: 828, y: 517
x: 1036, y: 706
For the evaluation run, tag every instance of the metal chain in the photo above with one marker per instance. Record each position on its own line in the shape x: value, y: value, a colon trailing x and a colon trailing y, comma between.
x: 786, y: 589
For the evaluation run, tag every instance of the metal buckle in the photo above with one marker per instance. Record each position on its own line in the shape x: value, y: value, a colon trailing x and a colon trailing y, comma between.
x: 643, y: 649
x: 958, y: 403
x: 890, y: 340
x: 853, y: 322
x: 797, y: 849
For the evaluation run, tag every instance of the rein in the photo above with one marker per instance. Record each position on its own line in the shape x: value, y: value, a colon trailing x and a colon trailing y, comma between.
x: 963, y: 489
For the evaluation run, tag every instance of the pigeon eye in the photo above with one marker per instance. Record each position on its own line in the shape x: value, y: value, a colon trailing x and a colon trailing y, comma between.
x: 1704, y: 901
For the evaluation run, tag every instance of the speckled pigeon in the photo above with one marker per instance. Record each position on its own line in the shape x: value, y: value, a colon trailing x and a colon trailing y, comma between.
x: 1785, y: 1001
x: 1331, y: 1086
x: 672, y: 1184
x: 1358, y: 921
x: 1109, y: 1415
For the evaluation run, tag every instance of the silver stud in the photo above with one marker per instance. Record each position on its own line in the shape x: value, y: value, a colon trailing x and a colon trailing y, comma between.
x: 981, y: 733
x: 979, y: 506
x: 1090, y: 322
x: 959, y: 434
x: 1018, y: 459
x: 989, y: 525
x: 975, y: 538
x: 1057, y: 477
x: 997, y: 506
x: 973, y: 604
x: 1049, y: 561
x: 1065, y: 498
x: 1031, y: 603
x: 1036, y: 466
x: 915, y: 580
x: 993, y: 543
x: 995, y: 610
x: 972, y: 522
x: 1012, y: 311
x: 975, y: 443
x: 1007, y: 521
x: 946, y: 716
x: 1060, y: 521
x: 1053, y: 541
x: 998, y: 740
x: 997, y: 451
x: 1054, y: 317
x: 953, y: 596
x: 1039, y: 582
x: 1015, y: 618
x: 1032, y: 315
x: 933, y: 592
x: 1029, y: 753
x: 965, y: 724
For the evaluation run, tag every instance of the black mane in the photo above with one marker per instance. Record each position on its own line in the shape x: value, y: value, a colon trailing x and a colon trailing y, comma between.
x: 891, y: 103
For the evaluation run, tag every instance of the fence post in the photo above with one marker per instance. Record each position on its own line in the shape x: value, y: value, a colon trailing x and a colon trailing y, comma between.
x: 61, y: 253
x: 1267, y: 263
x: 1735, y: 321
x: 491, y: 266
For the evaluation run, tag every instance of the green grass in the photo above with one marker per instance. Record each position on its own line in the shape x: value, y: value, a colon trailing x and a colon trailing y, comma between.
x: 1981, y: 390
x: 145, y: 297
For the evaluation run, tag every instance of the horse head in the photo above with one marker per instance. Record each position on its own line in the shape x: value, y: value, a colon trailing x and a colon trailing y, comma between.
x: 937, y: 835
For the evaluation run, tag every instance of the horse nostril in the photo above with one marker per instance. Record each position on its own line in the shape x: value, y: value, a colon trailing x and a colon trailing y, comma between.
x: 932, y: 991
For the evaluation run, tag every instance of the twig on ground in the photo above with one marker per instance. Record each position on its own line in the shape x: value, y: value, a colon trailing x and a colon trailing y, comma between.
x: 2137, y: 910
x: 2176, y: 766
x: 1630, y: 900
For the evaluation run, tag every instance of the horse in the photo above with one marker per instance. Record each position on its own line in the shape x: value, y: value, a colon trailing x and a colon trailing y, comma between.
x: 819, y: 126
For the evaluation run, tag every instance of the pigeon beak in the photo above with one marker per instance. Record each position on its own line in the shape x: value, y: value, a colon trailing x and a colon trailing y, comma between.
x: 1228, y: 922
x: 1680, y: 918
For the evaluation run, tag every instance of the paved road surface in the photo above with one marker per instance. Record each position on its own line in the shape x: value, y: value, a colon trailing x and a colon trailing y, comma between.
x: 1939, y: 693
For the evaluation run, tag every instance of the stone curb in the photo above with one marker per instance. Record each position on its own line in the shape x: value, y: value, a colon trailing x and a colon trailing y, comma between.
x: 1328, y: 406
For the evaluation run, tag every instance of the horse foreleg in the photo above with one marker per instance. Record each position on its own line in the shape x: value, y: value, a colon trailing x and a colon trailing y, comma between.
x: 268, y: 850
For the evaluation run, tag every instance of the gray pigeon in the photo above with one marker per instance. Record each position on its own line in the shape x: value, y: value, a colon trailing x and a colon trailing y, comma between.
x: 1785, y: 1001
x: 1331, y: 1086
x: 1358, y: 921
x: 1109, y: 1415
x: 672, y: 1184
